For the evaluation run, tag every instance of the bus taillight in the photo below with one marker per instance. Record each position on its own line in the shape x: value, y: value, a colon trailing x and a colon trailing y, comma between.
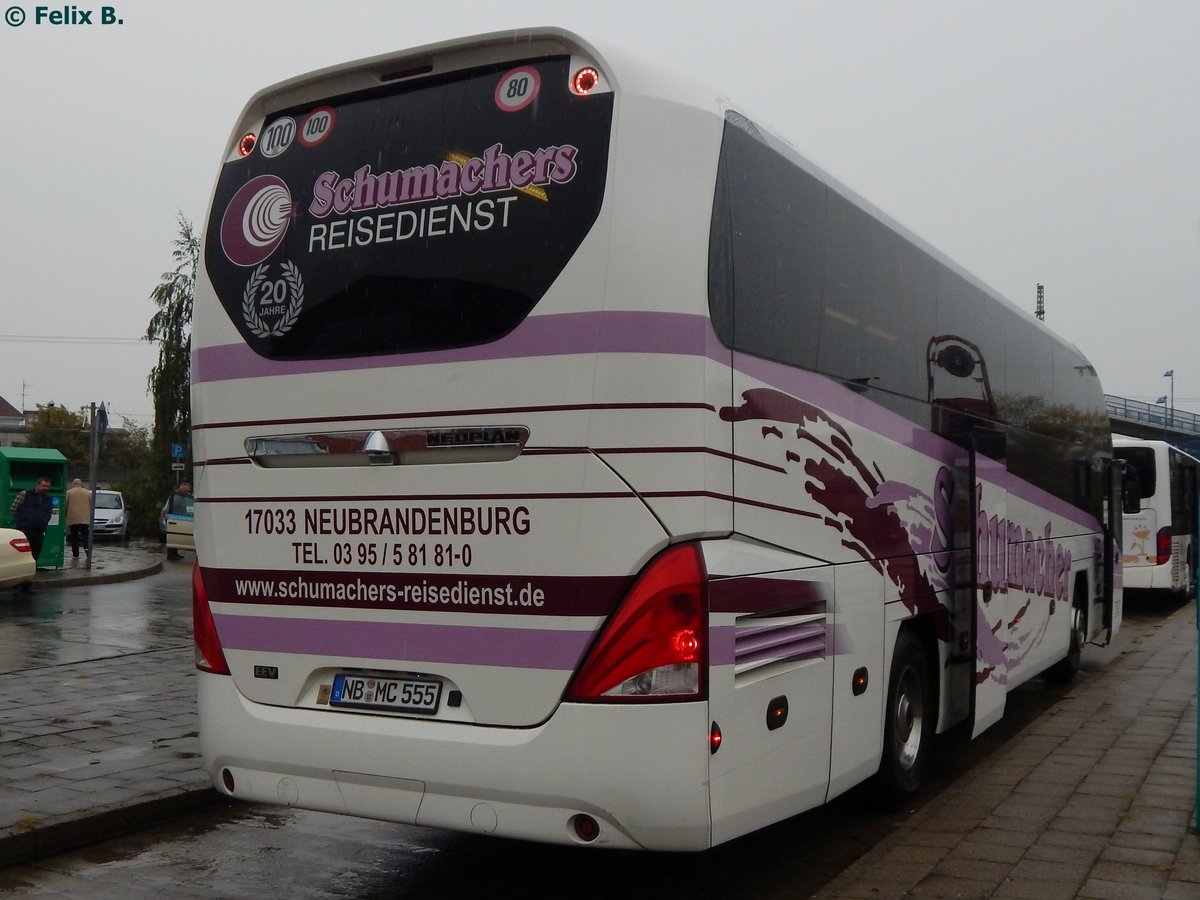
x: 653, y: 646
x: 209, y: 655
x: 1164, y: 546
x: 585, y: 80
x: 246, y: 145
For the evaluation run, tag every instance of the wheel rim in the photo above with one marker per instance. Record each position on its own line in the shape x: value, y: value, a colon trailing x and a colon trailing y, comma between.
x: 1078, y: 624
x: 908, y: 718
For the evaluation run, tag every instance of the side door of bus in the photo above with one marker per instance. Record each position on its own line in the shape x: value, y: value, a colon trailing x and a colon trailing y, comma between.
x: 973, y: 682
x: 1111, y: 596
x: 989, y: 582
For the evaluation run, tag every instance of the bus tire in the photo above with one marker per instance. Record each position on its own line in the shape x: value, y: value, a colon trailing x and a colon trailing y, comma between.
x: 909, y: 718
x: 1068, y: 667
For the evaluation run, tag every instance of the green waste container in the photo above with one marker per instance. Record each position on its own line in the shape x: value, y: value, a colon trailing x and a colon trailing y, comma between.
x: 20, y: 469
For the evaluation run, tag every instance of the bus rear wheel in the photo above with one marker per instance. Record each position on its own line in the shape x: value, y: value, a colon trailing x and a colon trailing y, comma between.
x: 1067, y: 667
x: 909, y: 720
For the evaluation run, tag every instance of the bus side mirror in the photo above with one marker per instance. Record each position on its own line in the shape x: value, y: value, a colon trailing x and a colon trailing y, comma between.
x: 1131, y: 491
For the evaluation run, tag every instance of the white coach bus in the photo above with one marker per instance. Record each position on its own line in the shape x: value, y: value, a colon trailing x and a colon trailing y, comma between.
x: 578, y: 463
x: 1159, y: 546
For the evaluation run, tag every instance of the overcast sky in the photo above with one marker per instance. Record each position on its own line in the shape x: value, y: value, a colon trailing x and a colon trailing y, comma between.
x: 1053, y: 141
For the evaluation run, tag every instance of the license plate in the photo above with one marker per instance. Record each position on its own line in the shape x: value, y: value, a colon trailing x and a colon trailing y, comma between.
x: 411, y: 695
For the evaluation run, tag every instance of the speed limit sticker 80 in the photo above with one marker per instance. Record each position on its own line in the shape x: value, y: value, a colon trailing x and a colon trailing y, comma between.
x: 518, y: 89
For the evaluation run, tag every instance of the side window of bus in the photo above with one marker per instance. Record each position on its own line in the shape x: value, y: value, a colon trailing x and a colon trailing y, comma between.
x: 1131, y: 489
x: 1183, y: 488
x: 803, y: 273
x: 766, y: 251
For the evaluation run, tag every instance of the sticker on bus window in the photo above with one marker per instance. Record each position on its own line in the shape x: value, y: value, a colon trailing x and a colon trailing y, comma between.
x: 270, y: 305
x: 518, y: 89
x: 317, y: 126
x: 277, y: 137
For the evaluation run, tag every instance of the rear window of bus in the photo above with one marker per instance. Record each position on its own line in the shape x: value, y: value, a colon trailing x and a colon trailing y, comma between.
x: 430, y: 215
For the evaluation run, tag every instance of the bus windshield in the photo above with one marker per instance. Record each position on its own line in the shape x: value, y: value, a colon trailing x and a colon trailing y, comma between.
x: 408, y: 218
x: 1141, y: 463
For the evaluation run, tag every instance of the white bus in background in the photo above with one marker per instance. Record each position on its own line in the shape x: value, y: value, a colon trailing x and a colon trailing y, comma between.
x: 655, y: 486
x: 1159, y: 546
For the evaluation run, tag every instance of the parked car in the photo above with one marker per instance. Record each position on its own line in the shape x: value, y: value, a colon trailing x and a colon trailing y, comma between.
x: 175, y: 522
x: 111, y: 519
x: 17, y: 565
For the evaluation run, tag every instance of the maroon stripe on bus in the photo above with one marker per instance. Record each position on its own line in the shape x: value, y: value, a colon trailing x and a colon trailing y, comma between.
x: 492, y: 594
x: 767, y: 595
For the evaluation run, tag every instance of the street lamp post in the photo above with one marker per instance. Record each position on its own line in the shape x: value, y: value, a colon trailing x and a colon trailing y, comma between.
x: 1170, y: 373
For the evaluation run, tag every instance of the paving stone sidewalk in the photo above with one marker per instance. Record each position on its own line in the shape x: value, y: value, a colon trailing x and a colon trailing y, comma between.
x: 1095, y: 799
x: 98, y: 746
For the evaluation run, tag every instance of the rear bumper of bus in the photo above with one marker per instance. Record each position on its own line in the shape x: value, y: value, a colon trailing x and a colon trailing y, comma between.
x: 1166, y: 577
x: 641, y: 772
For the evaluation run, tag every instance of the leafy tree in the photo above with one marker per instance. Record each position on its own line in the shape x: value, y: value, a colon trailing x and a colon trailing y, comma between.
x: 57, y: 428
x: 143, y: 482
x: 171, y: 328
x: 128, y: 448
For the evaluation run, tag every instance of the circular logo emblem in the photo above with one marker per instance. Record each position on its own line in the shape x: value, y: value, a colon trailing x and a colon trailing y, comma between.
x: 256, y: 220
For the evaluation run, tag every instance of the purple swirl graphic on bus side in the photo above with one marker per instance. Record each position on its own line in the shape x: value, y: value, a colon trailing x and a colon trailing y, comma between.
x: 256, y: 220
x: 884, y: 522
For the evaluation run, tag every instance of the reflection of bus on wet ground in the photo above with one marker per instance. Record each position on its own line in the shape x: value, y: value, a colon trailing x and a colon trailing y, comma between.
x: 1159, y: 548
x: 581, y: 464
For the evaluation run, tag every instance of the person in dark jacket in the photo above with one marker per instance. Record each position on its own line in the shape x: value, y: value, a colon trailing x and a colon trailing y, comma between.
x: 31, y: 511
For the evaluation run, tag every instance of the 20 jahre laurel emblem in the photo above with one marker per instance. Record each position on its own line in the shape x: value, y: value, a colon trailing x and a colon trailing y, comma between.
x: 271, y: 306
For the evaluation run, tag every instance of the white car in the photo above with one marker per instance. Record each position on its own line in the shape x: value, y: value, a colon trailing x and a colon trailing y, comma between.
x: 17, y: 565
x: 111, y: 521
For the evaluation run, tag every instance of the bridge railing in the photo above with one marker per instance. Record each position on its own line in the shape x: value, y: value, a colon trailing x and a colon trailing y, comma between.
x: 1152, y: 414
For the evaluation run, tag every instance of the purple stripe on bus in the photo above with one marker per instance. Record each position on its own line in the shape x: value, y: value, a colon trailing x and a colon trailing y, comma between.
x: 762, y: 638
x: 801, y: 650
x: 521, y: 648
x: 552, y: 335
x: 720, y: 645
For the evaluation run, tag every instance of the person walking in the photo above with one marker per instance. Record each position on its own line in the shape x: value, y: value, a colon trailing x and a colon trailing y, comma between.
x: 31, y: 512
x: 79, y: 516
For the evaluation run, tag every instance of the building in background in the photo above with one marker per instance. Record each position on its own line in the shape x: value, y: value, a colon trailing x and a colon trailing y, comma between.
x: 12, y: 425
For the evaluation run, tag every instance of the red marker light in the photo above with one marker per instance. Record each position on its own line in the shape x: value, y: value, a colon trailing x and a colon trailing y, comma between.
x: 1164, y: 546
x: 687, y: 644
x: 246, y: 145
x: 714, y: 738
x: 585, y: 80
